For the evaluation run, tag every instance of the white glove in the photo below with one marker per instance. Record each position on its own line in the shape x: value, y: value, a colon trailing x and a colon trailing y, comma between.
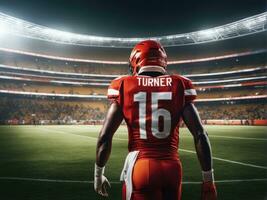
x: 101, y: 182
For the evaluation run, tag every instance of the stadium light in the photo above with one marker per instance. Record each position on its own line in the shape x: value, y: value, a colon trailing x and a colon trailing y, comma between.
x: 22, y: 28
x: 208, y: 33
x: 3, y: 28
x: 249, y: 24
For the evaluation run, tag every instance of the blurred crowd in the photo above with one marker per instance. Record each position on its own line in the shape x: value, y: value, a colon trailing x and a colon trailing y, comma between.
x: 34, y: 111
x: 31, y: 111
x: 233, y: 111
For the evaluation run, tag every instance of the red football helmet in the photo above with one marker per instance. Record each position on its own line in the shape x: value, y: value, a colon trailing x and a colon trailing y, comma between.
x: 148, y: 52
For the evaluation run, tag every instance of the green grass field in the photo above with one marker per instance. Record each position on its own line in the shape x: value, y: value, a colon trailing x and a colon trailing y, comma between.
x: 57, y: 162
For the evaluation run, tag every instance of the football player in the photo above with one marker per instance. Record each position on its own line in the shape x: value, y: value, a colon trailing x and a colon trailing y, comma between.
x: 152, y: 103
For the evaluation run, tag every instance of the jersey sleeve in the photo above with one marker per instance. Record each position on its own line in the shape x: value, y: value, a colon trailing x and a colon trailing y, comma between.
x: 190, y: 91
x: 115, y: 90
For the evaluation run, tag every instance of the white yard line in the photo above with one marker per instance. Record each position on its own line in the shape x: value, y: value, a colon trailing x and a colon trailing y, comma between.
x: 118, y: 182
x: 85, y: 136
x: 229, y: 161
x: 228, y: 181
x: 182, y: 136
x: 43, y: 180
x: 241, y: 138
x: 184, y: 150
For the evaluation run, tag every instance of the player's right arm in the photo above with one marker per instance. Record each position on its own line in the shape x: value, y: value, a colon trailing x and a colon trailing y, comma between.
x: 103, y: 149
x: 111, y: 123
x: 203, y: 149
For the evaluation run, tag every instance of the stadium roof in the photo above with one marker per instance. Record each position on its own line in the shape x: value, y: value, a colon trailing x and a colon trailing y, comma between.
x: 22, y: 28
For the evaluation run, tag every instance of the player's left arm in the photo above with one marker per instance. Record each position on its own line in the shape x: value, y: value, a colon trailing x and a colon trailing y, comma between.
x: 202, y: 144
x: 112, y: 121
x: 203, y: 149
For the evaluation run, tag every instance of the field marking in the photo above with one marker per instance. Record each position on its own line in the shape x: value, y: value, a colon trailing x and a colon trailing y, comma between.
x: 84, y: 136
x: 241, y: 138
x: 232, y: 137
x: 119, y: 182
x: 219, y: 136
x: 123, y: 139
x: 184, y: 150
x: 226, y: 160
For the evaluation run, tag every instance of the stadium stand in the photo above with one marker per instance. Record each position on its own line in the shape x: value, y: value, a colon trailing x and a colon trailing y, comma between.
x: 44, y: 82
x: 49, y: 88
x: 59, y: 111
x: 41, y: 111
x: 231, y: 111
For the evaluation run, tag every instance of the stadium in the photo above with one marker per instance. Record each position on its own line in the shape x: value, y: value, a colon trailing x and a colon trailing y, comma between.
x: 53, y: 102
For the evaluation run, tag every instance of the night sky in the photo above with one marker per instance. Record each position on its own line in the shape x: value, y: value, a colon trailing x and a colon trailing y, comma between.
x: 123, y: 18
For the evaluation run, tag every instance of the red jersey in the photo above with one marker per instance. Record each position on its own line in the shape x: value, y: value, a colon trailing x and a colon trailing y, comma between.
x: 152, y: 109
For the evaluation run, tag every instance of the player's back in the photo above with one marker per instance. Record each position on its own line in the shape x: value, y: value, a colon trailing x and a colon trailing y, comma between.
x: 152, y: 107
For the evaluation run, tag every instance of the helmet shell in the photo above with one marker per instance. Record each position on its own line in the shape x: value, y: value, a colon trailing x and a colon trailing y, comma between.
x: 147, y: 53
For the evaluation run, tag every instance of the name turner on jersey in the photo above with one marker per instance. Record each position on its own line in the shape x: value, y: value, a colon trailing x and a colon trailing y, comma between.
x: 154, y: 81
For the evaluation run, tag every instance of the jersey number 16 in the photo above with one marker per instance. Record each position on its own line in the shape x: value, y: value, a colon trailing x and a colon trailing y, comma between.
x: 141, y: 98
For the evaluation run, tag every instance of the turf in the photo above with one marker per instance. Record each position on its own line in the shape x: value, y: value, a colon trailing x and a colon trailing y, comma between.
x: 68, y: 153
